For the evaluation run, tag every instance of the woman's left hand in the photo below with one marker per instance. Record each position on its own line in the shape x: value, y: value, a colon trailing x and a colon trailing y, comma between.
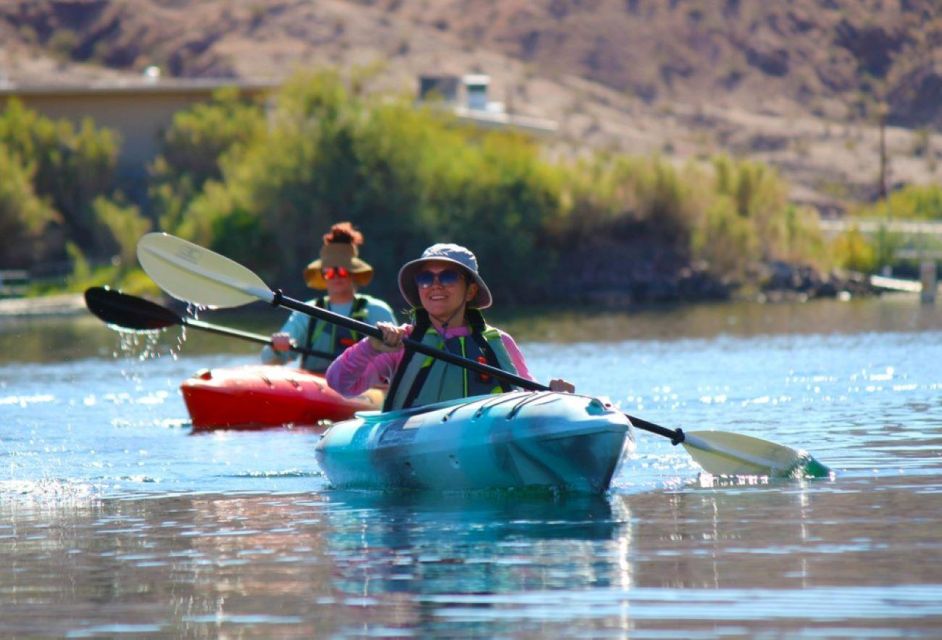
x: 558, y: 384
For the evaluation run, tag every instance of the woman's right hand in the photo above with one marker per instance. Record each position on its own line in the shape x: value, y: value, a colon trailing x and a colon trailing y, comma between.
x: 281, y: 342
x: 392, y: 337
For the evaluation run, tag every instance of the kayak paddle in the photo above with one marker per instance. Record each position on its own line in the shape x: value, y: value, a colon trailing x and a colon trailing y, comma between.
x: 194, y: 274
x: 130, y: 312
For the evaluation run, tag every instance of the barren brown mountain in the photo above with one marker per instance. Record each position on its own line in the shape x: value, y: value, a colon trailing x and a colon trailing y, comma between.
x: 800, y: 84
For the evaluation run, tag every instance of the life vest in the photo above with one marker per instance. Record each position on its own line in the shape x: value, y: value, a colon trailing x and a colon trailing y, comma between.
x: 422, y: 379
x: 340, y: 337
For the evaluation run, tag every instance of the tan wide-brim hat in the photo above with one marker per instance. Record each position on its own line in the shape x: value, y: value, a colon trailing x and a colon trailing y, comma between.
x: 444, y: 252
x: 338, y: 254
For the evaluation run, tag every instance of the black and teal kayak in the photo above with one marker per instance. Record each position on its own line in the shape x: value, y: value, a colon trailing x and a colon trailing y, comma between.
x: 513, y: 440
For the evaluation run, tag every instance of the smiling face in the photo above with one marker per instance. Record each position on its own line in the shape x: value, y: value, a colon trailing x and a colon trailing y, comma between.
x: 445, y: 302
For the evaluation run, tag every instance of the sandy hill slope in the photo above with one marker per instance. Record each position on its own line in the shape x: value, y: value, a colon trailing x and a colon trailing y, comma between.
x: 800, y: 84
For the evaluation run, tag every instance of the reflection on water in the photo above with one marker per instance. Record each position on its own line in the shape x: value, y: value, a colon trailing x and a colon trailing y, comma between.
x: 303, y: 565
x: 117, y: 519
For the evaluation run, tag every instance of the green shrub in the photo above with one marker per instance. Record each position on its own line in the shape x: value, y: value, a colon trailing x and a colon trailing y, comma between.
x: 620, y: 194
x: 23, y: 215
x: 81, y: 269
x: 759, y: 196
x: 194, y: 147
x: 800, y: 238
x: 885, y: 245
x: 913, y: 202
x: 125, y: 225
x: 72, y: 167
x: 137, y: 283
x: 853, y: 251
x: 725, y: 240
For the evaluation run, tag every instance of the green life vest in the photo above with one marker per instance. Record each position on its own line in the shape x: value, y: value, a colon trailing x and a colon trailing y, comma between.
x: 421, y: 379
x: 340, y: 337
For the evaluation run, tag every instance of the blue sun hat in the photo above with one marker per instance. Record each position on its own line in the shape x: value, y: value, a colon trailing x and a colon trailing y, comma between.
x: 445, y: 252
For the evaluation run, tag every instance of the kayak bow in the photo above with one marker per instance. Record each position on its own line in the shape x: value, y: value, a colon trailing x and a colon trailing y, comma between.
x: 545, y: 440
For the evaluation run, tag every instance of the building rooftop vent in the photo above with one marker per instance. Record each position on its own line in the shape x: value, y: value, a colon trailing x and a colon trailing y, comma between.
x: 475, y: 86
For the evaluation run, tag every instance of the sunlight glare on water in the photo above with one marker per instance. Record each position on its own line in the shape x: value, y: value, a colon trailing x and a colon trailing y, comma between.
x: 112, y: 511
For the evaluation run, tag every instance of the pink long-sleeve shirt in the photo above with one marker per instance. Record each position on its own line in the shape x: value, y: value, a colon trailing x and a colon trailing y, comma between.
x: 361, y: 366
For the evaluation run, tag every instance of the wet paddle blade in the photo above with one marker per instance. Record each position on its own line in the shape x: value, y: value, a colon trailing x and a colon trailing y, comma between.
x: 732, y: 454
x: 194, y: 274
x: 128, y: 312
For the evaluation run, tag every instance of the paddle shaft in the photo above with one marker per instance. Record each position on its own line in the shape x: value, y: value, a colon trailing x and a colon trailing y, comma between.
x: 253, y: 337
x: 130, y: 312
x: 279, y: 299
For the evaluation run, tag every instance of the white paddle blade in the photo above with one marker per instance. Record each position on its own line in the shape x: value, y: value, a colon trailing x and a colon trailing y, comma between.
x: 732, y: 454
x: 194, y: 274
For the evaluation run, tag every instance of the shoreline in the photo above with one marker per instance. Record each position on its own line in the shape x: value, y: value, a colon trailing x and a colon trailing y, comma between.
x: 73, y: 304
x: 60, y: 304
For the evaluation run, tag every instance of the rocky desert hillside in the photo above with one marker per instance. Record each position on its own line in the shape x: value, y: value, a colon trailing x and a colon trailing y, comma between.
x: 801, y: 84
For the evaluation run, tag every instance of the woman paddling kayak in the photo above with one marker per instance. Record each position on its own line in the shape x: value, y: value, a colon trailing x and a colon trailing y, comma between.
x: 447, y: 294
x: 340, y: 271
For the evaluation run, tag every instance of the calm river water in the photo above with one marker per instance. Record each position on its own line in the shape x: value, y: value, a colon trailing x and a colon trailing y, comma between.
x: 115, y: 521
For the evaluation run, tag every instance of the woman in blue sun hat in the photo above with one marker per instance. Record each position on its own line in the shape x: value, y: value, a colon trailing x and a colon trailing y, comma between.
x: 446, y: 293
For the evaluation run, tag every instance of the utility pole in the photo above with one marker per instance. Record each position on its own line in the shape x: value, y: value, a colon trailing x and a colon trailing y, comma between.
x: 882, y: 112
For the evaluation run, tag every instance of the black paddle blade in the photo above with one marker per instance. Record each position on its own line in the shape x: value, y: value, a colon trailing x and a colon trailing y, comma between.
x: 129, y: 312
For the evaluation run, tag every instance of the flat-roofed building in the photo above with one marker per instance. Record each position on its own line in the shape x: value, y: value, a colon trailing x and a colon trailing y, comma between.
x: 140, y: 111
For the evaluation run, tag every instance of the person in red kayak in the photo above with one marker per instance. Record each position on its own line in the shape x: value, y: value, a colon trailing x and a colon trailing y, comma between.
x: 340, y: 271
x: 447, y: 295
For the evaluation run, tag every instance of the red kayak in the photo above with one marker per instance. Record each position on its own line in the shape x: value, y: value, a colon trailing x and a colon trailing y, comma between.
x: 259, y: 396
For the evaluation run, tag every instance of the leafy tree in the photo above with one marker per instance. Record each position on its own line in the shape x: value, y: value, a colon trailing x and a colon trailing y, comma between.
x: 125, y: 225
x: 23, y: 215
x: 71, y: 167
x: 193, y: 148
x: 497, y: 204
x: 407, y: 176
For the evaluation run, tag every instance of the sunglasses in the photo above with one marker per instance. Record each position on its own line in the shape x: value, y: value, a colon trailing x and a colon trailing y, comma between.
x: 334, y: 272
x: 446, y: 278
